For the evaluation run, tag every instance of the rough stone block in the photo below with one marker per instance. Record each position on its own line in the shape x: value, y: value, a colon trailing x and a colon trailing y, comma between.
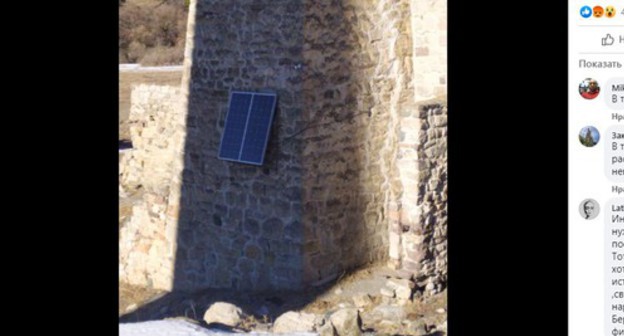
x: 362, y: 300
x: 347, y: 322
x: 224, y: 313
x: 292, y: 322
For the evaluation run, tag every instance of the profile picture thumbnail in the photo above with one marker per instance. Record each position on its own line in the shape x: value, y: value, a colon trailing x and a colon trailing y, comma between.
x: 589, y: 208
x: 589, y: 136
x: 589, y: 88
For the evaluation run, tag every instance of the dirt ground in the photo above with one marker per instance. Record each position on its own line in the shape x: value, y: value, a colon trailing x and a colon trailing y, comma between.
x: 140, y: 304
x: 127, y: 79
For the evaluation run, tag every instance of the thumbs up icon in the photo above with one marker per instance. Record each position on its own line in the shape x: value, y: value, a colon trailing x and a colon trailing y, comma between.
x: 608, y: 40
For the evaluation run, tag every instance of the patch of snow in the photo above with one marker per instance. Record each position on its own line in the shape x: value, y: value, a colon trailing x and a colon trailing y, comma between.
x: 182, y: 328
x: 129, y: 66
x: 139, y: 68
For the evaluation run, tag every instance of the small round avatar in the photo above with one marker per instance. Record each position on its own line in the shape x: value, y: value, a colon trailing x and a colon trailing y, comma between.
x: 589, y: 209
x: 589, y: 88
x: 589, y: 136
x: 598, y: 11
x: 610, y: 11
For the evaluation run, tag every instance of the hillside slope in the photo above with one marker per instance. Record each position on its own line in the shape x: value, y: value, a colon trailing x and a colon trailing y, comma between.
x: 152, y: 32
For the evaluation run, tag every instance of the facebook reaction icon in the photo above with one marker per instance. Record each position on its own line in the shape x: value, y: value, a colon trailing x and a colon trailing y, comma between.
x: 586, y: 12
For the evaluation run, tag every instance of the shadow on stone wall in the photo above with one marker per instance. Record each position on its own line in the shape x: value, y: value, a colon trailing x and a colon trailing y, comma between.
x: 315, y: 208
x: 339, y: 157
x: 239, y: 225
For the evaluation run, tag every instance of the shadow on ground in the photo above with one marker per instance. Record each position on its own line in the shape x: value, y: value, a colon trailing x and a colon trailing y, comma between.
x: 262, y: 305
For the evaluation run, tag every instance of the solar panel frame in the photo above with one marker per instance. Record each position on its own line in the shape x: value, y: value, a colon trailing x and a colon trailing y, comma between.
x: 247, y: 125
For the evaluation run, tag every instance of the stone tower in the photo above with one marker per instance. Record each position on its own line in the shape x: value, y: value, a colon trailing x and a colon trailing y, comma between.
x: 355, y: 169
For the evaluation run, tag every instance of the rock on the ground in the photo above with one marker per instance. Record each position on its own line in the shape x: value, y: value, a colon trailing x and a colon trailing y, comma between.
x: 440, y: 310
x: 415, y: 328
x: 386, y: 292
x: 396, y: 283
x: 388, y: 328
x: 387, y: 312
x: 403, y: 293
x: 327, y: 329
x: 347, y: 322
x: 362, y: 300
x: 294, y: 322
x: 320, y: 320
x: 131, y: 308
x: 224, y: 313
x: 401, y: 287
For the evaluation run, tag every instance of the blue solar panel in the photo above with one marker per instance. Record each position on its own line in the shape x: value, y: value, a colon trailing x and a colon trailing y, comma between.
x: 247, y: 127
x: 235, y: 126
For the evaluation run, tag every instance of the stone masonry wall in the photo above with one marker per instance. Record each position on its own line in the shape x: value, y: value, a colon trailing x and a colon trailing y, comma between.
x: 145, y: 241
x: 149, y: 164
x: 429, y: 31
x: 357, y: 78
x: 420, y: 235
x: 434, y: 187
x: 421, y: 162
x: 239, y: 226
